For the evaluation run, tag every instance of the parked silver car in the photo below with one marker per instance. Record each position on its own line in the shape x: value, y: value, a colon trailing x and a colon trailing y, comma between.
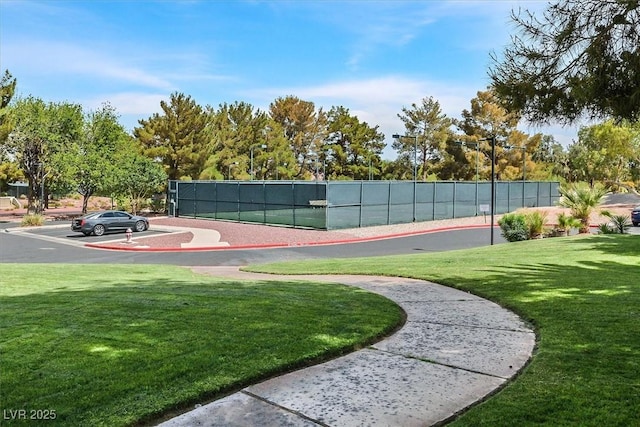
x: 102, y: 222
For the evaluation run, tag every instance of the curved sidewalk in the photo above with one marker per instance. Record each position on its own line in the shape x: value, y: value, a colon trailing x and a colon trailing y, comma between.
x: 454, y: 350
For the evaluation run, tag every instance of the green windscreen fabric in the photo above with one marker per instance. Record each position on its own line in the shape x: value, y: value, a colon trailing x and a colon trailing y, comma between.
x: 350, y: 204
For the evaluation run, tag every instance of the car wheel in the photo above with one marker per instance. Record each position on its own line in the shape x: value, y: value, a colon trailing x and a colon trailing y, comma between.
x: 98, y: 230
x: 635, y: 224
x: 140, y: 226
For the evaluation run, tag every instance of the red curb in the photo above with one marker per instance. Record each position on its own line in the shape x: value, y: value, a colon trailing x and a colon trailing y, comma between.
x: 284, y: 245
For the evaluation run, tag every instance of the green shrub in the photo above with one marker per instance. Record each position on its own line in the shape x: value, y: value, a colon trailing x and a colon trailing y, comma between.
x: 513, y: 227
x: 565, y: 223
x: 535, y: 222
x: 32, y: 220
x: 582, y: 199
x: 619, y: 224
x: 158, y: 205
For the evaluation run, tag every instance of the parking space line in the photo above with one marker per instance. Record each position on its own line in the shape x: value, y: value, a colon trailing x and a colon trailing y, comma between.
x: 29, y: 233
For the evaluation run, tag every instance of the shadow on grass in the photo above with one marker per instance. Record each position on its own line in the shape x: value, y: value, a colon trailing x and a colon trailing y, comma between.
x: 586, y: 310
x: 117, y: 354
x: 625, y: 244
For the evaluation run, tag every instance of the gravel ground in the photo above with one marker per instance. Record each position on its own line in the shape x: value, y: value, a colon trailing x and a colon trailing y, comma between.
x: 250, y: 234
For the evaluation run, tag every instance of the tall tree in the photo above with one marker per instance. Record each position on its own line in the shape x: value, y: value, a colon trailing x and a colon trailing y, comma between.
x: 304, y: 128
x: 41, y: 135
x: 138, y: 178
x: 9, y: 169
x: 581, y: 57
x: 488, y: 119
x: 276, y: 159
x: 427, y: 130
x: 551, y: 157
x: 234, y: 129
x: 178, y: 137
x: 605, y: 152
x: 7, y: 90
x: 9, y: 172
x: 95, y: 162
x: 352, y: 148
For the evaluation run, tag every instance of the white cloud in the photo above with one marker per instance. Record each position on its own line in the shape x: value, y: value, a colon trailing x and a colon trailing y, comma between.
x: 369, y: 93
x: 73, y: 60
x: 378, y: 102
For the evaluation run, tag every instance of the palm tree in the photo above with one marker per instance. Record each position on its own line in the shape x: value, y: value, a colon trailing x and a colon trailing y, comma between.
x: 582, y: 200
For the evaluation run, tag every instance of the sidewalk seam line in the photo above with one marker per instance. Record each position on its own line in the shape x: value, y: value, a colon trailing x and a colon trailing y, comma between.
x: 291, y: 411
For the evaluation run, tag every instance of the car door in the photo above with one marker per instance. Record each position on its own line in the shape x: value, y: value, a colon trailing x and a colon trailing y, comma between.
x: 106, y: 219
x: 123, y: 220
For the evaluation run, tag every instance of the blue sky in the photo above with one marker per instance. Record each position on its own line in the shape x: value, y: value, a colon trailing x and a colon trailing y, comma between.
x: 372, y: 57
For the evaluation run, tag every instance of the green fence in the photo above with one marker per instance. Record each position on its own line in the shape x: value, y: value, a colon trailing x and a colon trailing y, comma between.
x: 346, y: 204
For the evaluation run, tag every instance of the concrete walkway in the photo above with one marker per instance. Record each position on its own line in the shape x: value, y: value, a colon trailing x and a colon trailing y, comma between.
x: 454, y: 350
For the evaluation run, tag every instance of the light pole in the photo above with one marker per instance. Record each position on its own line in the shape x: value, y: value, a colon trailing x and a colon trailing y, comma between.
x: 477, y: 147
x: 317, y: 167
x: 493, y: 179
x: 251, y: 150
x: 230, y: 166
x: 415, y: 168
x: 328, y: 158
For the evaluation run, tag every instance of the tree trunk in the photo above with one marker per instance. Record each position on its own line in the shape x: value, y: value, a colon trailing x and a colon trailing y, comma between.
x: 85, y: 202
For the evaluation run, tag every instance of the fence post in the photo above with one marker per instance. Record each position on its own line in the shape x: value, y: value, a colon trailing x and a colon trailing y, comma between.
x: 264, y: 202
x: 389, y: 203
x: 361, y: 194
x: 326, y: 206
x: 433, y: 207
x: 195, y: 200
x: 293, y: 201
x: 238, y: 202
x: 454, y: 200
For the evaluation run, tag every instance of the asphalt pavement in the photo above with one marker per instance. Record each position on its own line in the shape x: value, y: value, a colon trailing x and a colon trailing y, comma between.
x: 454, y: 350
x: 55, y: 243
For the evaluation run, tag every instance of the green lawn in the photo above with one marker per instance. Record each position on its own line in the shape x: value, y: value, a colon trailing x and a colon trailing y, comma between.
x: 117, y: 345
x: 583, y: 296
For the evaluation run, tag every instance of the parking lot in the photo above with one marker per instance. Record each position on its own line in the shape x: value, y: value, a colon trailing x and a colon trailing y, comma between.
x: 61, y: 232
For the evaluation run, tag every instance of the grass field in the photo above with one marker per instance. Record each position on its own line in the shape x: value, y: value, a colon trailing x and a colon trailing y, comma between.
x: 117, y: 345
x: 583, y: 296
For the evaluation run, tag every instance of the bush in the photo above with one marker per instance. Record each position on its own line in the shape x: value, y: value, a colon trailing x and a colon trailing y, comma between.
x: 619, y: 224
x: 514, y: 227
x: 158, y: 205
x: 565, y: 223
x: 606, y: 229
x: 582, y: 200
x: 32, y: 220
x: 535, y: 222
